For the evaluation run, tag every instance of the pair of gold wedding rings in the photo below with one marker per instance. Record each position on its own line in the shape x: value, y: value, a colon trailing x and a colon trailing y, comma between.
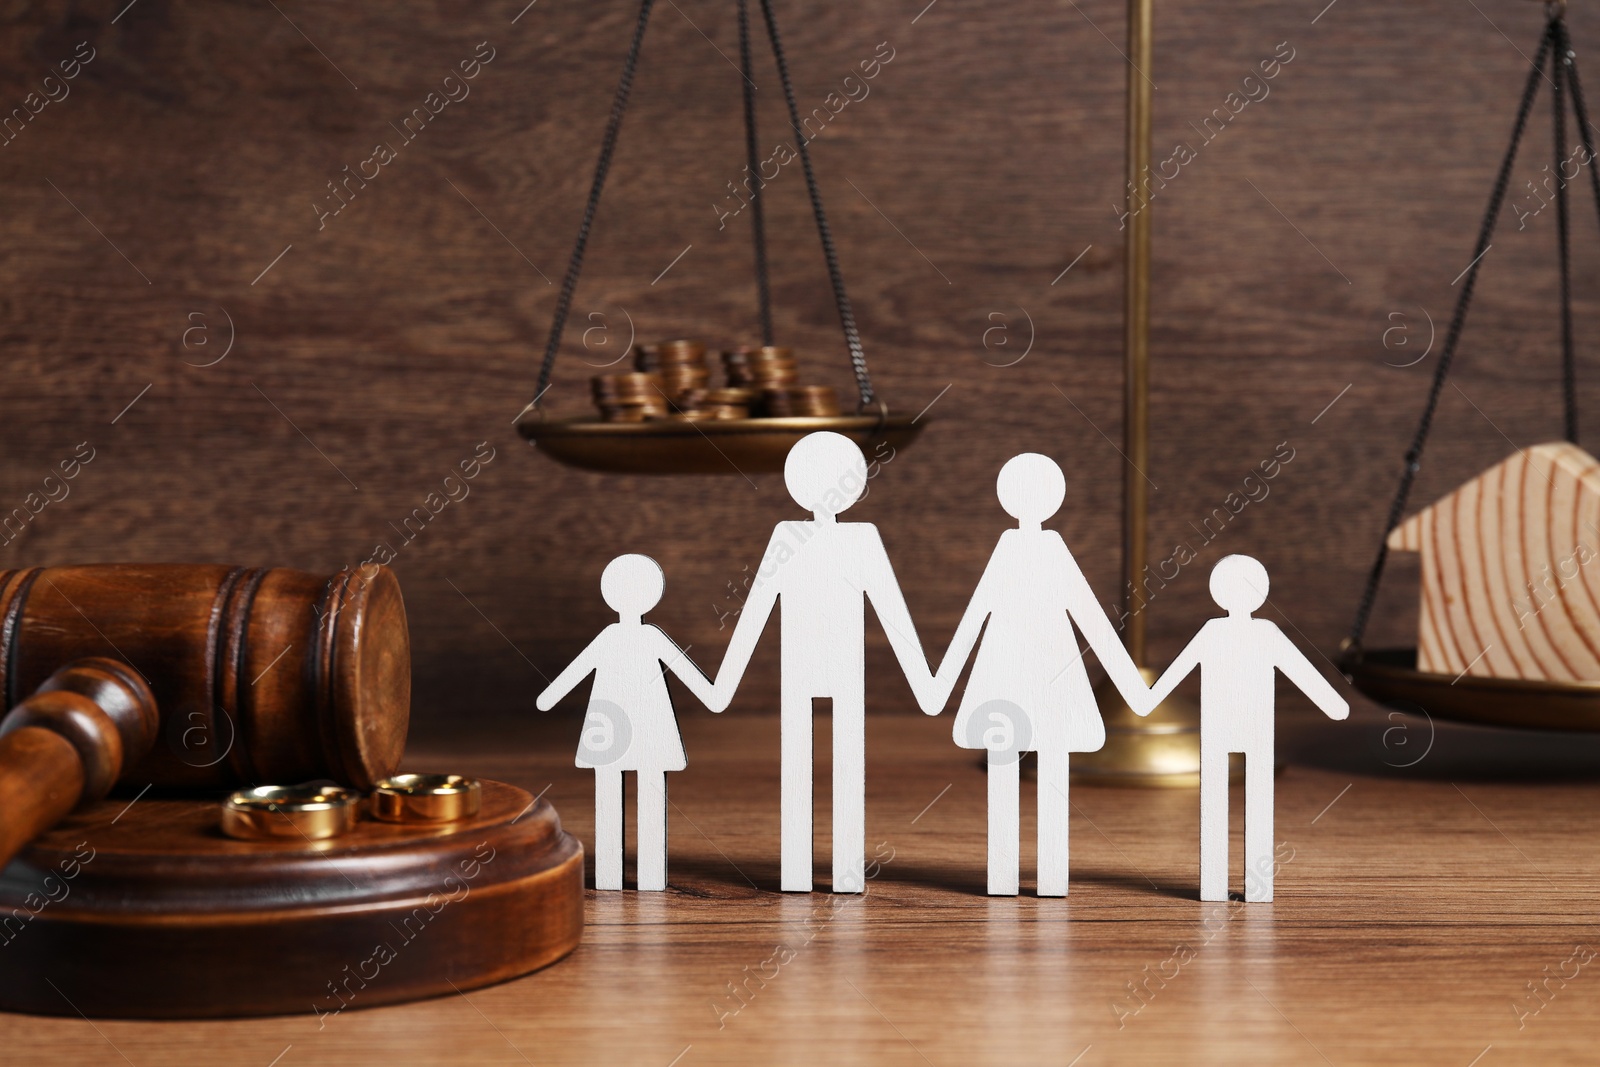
x: 318, y: 812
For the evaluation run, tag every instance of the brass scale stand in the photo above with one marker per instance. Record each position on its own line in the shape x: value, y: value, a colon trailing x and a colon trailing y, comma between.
x: 1162, y: 749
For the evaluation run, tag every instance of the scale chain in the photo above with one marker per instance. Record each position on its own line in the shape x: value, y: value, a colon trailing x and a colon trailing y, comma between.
x: 758, y: 224
x: 847, y: 318
x: 608, y: 143
x: 1569, y: 372
x: 1413, y: 456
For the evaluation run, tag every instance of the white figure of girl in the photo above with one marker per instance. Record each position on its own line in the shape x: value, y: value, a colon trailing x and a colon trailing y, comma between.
x: 1029, y: 690
x: 630, y: 725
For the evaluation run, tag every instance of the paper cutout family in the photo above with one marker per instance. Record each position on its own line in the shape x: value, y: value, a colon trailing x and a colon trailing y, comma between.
x: 1028, y: 689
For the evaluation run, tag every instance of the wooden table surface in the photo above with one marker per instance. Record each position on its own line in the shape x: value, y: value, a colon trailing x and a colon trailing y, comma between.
x: 1415, y: 906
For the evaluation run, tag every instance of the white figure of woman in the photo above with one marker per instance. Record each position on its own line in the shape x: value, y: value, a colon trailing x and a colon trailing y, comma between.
x: 630, y: 725
x: 1029, y: 690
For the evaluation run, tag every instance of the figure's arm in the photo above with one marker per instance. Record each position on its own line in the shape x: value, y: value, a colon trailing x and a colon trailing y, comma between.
x: 961, y: 645
x: 1304, y: 674
x: 758, y: 605
x: 678, y: 662
x: 877, y: 578
x: 1091, y: 619
x: 576, y: 671
x: 1186, y: 662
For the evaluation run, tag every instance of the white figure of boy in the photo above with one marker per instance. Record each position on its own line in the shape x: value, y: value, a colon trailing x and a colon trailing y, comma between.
x: 1238, y: 655
x: 629, y: 724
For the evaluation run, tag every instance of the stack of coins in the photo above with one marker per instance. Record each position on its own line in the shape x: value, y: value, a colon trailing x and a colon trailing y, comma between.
x: 629, y: 397
x: 760, y: 367
x: 682, y: 366
x: 812, y: 401
x: 689, y: 404
x: 731, y: 403
x: 673, y: 381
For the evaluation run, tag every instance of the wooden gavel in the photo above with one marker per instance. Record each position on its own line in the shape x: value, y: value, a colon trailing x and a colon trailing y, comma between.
x: 67, y: 743
x: 255, y: 676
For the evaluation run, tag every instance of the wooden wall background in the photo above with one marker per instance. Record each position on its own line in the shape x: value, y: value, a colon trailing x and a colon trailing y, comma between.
x: 190, y: 151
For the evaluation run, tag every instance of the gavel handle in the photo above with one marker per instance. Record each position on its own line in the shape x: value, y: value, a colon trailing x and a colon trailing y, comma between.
x: 41, y: 780
x: 66, y: 745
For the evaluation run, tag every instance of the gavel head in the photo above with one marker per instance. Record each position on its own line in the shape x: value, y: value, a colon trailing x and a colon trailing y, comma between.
x: 259, y: 675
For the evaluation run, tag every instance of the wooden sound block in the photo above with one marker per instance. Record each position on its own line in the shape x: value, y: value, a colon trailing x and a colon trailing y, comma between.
x: 149, y: 911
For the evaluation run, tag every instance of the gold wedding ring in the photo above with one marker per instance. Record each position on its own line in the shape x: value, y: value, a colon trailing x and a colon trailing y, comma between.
x: 300, y: 812
x: 426, y: 798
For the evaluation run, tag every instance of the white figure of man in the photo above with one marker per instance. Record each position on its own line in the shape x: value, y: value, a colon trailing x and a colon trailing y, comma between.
x: 1238, y: 656
x: 630, y: 724
x: 824, y: 571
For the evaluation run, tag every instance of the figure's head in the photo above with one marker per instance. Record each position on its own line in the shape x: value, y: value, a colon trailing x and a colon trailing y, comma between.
x: 825, y: 472
x: 1239, y: 584
x: 1031, y: 488
x: 632, y: 585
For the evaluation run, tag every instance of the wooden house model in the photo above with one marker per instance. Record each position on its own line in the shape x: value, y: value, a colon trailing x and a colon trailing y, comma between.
x: 1510, y: 582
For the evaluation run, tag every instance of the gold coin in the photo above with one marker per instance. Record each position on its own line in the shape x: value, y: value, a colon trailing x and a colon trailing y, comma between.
x: 811, y: 401
x: 626, y: 386
x: 755, y: 352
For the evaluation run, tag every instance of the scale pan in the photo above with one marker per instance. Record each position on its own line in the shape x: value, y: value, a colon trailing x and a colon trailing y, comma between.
x: 707, y: 446
x: 1390, y: 677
